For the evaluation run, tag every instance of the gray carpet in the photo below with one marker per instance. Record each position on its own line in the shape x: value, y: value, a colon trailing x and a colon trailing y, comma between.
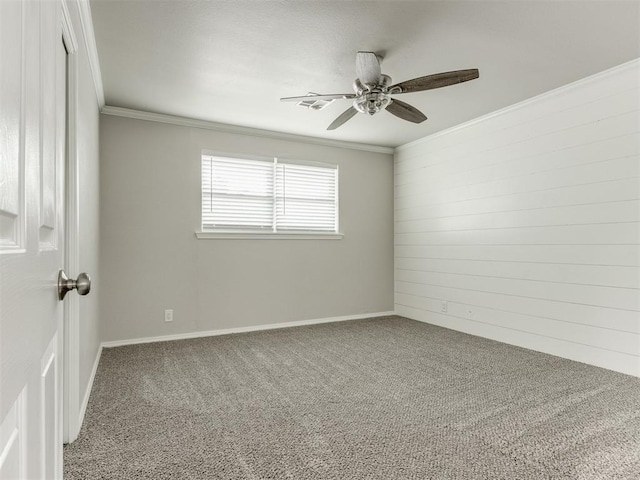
x: 385, y: 398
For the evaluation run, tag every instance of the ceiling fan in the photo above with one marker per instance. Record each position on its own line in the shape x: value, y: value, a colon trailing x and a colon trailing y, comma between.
x: 373, y: 92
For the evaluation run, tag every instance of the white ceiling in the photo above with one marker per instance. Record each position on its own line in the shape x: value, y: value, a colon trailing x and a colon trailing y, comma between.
x: 230, y: 61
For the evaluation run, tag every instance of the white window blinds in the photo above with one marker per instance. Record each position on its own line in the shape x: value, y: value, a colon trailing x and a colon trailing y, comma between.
x: 272, y: 196
x: 305, y: 197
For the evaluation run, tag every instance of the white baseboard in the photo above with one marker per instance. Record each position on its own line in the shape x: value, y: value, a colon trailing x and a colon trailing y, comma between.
x: 87, y: 393
x: 227, y: 331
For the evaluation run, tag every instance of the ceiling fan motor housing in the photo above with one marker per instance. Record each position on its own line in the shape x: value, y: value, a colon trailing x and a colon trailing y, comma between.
x: 371, y: 99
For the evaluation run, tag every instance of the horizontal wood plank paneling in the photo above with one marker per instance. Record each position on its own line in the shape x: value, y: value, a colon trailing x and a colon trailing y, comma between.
x: 616, y: 169
x: 528, y: 224
x: 602, y: 296
x: 595, y: 132
x: 623, y: 320
x: 489, y: 167
x: 623, y: 255
x: 609, y: 339
x: 592, y: 214
x: 598, y: 192
x: 590, y: 234
x: 626, y: 277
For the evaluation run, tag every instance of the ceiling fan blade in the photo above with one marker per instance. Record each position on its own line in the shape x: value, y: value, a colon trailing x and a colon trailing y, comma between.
x: 437, y: 80
x: 346, y: 115
x: 368, y: 68
x: 336, y: 96
x: 405, y: 111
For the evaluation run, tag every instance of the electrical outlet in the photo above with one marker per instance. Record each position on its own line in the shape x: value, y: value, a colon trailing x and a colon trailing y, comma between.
x: 444, y: 306
x: 168, y: 315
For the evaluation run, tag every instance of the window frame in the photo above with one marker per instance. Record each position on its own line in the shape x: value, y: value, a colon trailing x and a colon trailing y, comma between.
x: 248, y: 233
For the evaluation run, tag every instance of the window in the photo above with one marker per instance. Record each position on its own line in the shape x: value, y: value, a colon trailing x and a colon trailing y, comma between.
x: 268, y: 197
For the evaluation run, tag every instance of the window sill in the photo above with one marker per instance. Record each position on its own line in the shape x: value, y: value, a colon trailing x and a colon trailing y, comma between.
x: 239, y: 235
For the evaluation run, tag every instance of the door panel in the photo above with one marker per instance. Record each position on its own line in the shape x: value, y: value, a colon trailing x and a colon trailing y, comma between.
x: 32, y: 174
x: 49, y: 417
x: 11, y: 160
x: 12, y: 438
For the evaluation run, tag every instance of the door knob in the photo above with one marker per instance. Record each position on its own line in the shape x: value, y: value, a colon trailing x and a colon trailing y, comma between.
x: 65, y: 284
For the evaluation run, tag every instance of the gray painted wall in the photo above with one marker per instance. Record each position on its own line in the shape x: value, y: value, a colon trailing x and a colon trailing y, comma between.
x: 151, y: 259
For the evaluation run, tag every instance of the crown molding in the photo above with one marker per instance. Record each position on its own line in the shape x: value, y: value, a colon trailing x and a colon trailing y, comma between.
x: 635, y: 63
x: 254, y: 132
x: 86, y: 22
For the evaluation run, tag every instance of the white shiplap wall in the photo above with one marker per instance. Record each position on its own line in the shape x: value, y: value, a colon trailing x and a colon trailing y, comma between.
x: 527, y: 223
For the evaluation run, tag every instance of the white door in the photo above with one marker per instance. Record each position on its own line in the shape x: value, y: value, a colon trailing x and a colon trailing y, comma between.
x: 32, y: 193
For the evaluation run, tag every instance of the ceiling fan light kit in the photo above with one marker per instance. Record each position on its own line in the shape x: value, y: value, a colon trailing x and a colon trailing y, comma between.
x: 314, y: 103
x: 373, y: 92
